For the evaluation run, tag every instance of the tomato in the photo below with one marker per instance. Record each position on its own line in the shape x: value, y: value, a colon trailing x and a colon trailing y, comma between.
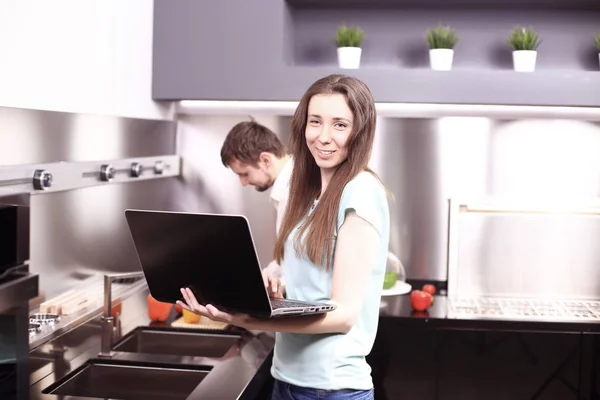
x: 429, y: 288
x: 157, y: 310
x: 420, y: 300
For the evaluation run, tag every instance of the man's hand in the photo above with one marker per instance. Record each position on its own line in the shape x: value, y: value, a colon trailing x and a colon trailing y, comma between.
x: 274, y: 285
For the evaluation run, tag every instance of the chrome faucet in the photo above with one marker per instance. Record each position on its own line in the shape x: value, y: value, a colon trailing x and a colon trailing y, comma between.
x: 107, y: 319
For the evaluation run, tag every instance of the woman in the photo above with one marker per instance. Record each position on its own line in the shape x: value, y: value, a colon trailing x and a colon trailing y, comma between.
x: 333, y: 242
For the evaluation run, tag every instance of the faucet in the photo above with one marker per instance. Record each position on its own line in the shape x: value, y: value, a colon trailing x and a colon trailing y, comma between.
x: 107, y: 319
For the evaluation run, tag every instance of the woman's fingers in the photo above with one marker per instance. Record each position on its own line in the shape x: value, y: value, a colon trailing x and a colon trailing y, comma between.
x: 185, y: 297
x: 184, y: 305
x: 192, y: 303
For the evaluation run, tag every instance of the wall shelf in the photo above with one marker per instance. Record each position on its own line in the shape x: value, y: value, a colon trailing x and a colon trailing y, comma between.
x: 545, y: 88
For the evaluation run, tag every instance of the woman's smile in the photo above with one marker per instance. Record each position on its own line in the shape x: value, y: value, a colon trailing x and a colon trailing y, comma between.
x: 325, y: 154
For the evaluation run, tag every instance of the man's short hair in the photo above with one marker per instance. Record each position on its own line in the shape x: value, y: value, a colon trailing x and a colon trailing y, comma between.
x: 247, y: 140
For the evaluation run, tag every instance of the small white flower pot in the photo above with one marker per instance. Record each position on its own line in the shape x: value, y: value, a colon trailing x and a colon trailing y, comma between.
x: 349, y: 57
x: 599, y: 58
x: 524, y: 60
x: 441, y: 59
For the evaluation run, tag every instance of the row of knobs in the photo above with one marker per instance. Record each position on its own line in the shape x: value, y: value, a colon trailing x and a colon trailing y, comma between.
x: 107, y: 171
x: 42, y: 179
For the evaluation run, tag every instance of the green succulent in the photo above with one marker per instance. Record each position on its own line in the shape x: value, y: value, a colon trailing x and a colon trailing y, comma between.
x: 597, y: 42
x: 442, y: 37
x: 524, y: 39
x: 349, y: 36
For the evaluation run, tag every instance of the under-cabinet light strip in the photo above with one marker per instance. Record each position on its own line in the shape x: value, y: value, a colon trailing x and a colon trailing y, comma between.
x: 541, y: 209
x: 395, y: 110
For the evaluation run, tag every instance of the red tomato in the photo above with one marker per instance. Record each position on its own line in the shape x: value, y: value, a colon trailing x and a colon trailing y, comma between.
x: 420, y: 300
x: 157, y: 310
x: 429, y: 289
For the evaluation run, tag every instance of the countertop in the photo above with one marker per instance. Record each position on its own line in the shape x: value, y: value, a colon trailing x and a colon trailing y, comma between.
x: 239, y: 374
x: 397, y: 309
x: 242, y: 373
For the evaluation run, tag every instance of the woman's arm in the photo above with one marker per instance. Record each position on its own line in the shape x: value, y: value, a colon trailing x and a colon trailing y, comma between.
x: 356, y: 253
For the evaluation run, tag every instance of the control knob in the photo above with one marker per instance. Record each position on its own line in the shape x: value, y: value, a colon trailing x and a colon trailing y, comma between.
x: 42, y: 179
x: 159, y: 167
x: 107, y: 172
x: 135, y: 170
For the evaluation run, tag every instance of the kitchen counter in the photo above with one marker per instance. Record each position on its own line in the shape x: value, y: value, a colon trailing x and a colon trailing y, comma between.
x: 397, y: 309
x: 244, y: 371
x: 240, y: 373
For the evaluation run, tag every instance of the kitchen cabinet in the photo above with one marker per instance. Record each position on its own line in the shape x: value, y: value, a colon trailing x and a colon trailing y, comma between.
x: 274, y: 49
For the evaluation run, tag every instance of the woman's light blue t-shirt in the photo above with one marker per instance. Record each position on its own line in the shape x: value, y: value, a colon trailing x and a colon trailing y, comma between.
x: 335, y: 361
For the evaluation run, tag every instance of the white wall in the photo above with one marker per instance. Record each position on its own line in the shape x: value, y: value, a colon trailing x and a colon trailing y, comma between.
x: 87, y: 56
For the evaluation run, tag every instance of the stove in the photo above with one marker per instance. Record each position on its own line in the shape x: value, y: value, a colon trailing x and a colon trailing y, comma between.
x: 526, y: 309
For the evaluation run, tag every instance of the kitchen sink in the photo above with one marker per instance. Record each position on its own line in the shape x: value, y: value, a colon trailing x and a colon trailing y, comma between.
x: 129, y: 381
x: 173, y: 342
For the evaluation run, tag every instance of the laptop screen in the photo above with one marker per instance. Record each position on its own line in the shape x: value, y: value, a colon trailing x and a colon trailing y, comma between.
x: 214, y: 255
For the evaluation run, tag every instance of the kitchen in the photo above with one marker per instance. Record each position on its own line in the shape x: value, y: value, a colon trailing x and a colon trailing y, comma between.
x: 510, y: 190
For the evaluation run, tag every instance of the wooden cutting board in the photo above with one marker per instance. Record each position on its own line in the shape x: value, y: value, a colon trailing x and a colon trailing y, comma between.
x: 205, y: 323
x: 67, y: 303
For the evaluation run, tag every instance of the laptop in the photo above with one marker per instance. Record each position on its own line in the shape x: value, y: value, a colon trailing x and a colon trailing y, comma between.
x: 212, y: 254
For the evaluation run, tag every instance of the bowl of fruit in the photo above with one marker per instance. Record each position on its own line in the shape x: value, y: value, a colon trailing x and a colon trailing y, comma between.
x: 394, y: 279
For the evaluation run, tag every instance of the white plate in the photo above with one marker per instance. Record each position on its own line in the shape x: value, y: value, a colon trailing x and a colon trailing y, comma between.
x: 399, y: 288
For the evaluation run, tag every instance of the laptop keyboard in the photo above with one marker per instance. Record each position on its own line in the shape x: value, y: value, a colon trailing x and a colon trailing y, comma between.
x: 283, y: 303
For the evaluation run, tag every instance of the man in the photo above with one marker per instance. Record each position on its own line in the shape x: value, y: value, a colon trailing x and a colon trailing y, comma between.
x: 257, y: 156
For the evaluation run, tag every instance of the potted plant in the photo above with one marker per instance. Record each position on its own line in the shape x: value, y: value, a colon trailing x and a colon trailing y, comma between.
x: 524, y: 42
x: 597, y: 41
x: 348, y: 41
x: 441, y: 42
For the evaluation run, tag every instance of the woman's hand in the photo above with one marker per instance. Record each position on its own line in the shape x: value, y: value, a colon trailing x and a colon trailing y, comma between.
x: 210, y: 311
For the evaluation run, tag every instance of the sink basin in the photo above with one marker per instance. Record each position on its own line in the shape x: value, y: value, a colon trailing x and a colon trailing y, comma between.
x: 213, y: 345
x: 105, y: 379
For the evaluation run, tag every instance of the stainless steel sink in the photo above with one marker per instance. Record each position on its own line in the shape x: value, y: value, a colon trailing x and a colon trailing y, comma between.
x: 102, y: 379
x: 213, y: 345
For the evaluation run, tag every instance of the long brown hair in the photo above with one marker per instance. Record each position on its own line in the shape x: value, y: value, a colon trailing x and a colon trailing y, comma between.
x: 305, y: 184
